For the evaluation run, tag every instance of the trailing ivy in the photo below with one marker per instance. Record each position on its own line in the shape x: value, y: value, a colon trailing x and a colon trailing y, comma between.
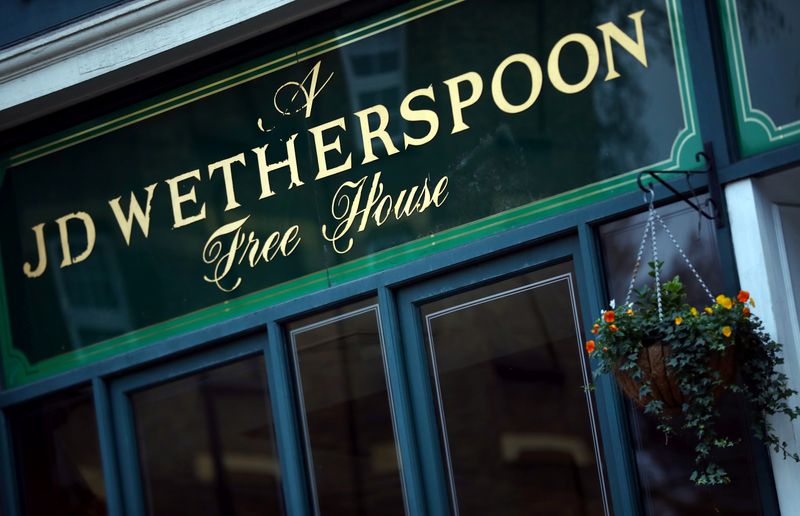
x: 703, y: 347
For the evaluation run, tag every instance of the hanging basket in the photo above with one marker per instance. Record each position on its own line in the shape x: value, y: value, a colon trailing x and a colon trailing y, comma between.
x: 663, y: 382
x: 722, y: 341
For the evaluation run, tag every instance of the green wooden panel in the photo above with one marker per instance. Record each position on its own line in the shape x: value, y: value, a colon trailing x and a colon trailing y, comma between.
x: 579, y: 135
x: 761, y: 41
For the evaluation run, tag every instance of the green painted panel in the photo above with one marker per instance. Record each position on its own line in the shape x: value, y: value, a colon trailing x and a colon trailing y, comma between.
x: 761, y: 40
x: 521, y: 117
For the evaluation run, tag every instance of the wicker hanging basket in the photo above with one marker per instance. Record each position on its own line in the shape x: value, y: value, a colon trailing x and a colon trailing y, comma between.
x: 652, y: 359
x: 663, y: 383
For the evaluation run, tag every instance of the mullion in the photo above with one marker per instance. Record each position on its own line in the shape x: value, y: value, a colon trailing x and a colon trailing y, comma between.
x: 611, y: 414
x: 402, y: 409
x: 9, y: 497
x: 285, y: 414
x: 108, y: 449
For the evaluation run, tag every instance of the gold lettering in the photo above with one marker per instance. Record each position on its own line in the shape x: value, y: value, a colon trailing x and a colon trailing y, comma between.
x: 309, y: 94
x: 178, y: 199
x: 592, y: 53
x: 264, y: 168
x: 347, y: 207
x: 457, y: 104
x: 222, y: 246
x: 322, y: 148
x: 90, y: 237
x: 29, y: 271
x: 367, y: 134
x: 419, y: 115
x: 536, y: 83
x: 227, y: 176
x: 134, y: 212
x: 634, y: 48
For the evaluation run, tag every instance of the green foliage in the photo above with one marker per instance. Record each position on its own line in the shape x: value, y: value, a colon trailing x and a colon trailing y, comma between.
x: 697, y: 339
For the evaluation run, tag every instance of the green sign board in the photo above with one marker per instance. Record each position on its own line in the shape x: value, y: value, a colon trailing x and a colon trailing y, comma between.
x: 761, y: 40
x: 433, y: 125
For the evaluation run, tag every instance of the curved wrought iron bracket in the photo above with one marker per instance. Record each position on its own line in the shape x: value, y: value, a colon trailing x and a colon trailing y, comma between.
x: 714, y: 203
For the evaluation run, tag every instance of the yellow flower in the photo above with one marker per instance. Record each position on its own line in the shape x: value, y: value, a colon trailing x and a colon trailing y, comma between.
x: 726, y: 330
x: 724, y: 301
x: 693, y: 311
x: 629, y: 311
x: 678, y: 320
x: 752, y: 302
x: 708, y: 310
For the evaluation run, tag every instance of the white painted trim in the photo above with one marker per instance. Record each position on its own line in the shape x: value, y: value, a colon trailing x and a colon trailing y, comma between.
x: 757, y: 239
x: 131, y: 33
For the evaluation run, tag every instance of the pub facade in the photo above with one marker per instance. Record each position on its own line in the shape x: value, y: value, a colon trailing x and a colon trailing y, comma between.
x: 344, y: 257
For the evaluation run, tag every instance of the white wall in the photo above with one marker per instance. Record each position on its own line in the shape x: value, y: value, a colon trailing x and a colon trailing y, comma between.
x: 765, y: 225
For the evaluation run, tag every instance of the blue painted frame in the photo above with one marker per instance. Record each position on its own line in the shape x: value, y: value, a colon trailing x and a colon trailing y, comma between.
x: 620, y: 477
x: 8, y: 497
x: 123, y: 419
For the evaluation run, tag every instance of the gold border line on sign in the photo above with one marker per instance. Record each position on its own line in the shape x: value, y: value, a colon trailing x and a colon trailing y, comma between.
x: 220, y: 85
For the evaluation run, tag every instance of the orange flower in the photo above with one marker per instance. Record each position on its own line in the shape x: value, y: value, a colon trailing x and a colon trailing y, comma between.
x: 746, y: 311
x: 726, y: 330
x: 589, y: 346
x: 724, y: 301
x: 595, y: 329
x: 613, y: 327
x: 743, y: 296
x: 605, y: 350
x: 678, y: 320
x: 629, y: 311
x: 609, y: 316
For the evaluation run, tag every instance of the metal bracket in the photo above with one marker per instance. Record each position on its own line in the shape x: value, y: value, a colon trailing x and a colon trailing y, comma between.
x: 714, y: 189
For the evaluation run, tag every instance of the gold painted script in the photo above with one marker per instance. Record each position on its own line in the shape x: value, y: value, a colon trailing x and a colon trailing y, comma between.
x: 357, y: 204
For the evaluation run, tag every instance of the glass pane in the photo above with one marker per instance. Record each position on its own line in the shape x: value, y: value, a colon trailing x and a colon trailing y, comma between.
x: 206, y: 444
x: 347, y: 410
x: 664, y: 469
x: 510, y: 372
x: 761, y: 40
x: 58, y: 456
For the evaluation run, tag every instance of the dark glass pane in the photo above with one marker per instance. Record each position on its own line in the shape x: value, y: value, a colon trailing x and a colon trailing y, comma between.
x: 350, y: 435
x: 664, y: 469
x: 58, y: 456
x: 206, y: 444
x: 770, y: 31
x: 510, y: 370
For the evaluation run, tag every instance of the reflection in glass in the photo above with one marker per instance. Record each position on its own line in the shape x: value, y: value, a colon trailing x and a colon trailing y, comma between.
x: 664, y: 469
x: 340, y: 366
x: 770, y: 35
x: 206, y: 444
x: 510, y: 374
x: 58, y: 456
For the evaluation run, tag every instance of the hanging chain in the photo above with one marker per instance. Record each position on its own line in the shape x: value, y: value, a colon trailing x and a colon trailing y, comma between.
x: 685, y: 258
x: 653, y: 214
x: 650, y: 222
x: 650, y: 227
